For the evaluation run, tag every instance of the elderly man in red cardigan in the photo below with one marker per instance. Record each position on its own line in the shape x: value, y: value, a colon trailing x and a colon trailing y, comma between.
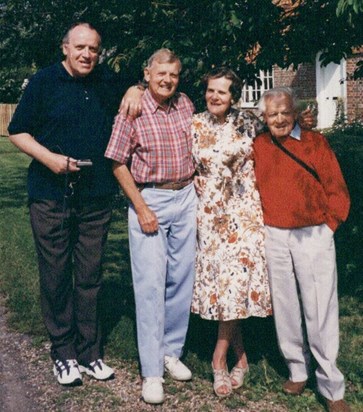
x: 304, y: 199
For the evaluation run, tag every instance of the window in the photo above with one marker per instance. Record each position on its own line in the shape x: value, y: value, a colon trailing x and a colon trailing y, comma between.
x: 252, y: 93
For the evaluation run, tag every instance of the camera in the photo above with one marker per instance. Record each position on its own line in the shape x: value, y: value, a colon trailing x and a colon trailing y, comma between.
x: 84, y: 162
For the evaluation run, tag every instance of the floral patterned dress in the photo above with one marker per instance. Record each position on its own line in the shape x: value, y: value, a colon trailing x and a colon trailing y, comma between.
x: 231, y: 275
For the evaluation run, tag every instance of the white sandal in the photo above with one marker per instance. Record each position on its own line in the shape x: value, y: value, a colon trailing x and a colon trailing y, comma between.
x: 221, y: 378
x: 238, y: 375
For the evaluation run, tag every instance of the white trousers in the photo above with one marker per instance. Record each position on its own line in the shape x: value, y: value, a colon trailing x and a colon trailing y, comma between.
x: 303, y: 280
x: 163, y: 272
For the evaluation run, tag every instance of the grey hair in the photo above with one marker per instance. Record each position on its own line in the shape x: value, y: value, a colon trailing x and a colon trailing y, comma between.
x: 277, y: 92
x: 164, y: 55
x: 65, y: 39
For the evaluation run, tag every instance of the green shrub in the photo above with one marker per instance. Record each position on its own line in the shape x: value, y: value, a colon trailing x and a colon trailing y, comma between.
x: 12, y: 83
x: 347, y: 142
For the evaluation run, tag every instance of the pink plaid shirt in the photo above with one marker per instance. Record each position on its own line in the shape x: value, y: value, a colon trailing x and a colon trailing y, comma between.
x: 157, y: 144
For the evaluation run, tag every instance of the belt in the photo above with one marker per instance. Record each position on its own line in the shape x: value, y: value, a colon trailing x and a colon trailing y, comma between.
x: 166, y: 186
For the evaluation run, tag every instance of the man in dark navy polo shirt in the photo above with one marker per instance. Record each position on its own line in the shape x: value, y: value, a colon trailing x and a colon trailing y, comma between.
x: 66, y: 115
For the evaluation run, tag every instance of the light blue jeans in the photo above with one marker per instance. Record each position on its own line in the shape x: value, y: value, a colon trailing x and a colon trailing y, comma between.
x: 163, y: 271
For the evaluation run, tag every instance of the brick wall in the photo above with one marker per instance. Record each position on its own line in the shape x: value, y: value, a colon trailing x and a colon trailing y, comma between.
x: 302, y: 80
x: 354, y: 91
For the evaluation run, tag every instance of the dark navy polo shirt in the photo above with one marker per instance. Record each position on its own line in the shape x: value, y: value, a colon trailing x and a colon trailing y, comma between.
x: 72, y: 116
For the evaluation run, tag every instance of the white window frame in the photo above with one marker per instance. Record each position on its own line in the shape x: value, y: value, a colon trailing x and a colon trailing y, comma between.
x: 252, y: 93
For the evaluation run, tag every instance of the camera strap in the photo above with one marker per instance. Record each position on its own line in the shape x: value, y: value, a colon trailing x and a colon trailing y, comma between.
x: 294, y: 157
x: 66, y: 182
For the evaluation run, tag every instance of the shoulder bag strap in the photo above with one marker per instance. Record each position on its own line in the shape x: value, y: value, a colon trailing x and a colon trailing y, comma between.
x: 297, y: 160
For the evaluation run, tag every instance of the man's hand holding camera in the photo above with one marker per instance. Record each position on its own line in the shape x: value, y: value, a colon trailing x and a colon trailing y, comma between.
x: 61, y: 164
x: 84, y: 163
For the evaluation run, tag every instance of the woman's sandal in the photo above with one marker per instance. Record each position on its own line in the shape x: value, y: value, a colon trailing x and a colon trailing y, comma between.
x: 237, y: 374
x: 221, y: 378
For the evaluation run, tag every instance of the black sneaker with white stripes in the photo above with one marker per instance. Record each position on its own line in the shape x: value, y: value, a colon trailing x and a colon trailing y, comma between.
x: 67, y: 372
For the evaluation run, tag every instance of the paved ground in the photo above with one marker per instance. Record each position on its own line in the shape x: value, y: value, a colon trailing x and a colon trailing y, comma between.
x: 17, y: 391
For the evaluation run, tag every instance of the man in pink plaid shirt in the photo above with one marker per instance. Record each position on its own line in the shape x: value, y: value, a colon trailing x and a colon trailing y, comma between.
x: 154, y: 166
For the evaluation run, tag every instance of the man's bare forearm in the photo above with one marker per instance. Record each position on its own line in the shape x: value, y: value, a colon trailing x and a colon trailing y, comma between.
x: 57, y: 163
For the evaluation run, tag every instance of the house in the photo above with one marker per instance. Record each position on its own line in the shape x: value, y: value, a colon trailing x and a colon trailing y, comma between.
x: 337, y: 94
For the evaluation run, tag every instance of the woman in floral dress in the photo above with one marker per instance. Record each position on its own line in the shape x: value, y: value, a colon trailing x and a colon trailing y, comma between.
x: 231, y: 275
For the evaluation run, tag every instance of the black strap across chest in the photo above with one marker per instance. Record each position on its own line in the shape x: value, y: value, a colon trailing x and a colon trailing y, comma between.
x: 297, y: 160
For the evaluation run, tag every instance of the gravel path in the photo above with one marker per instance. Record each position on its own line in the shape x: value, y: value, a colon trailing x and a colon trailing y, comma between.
x: 27, y: 385
x: 17, y: 391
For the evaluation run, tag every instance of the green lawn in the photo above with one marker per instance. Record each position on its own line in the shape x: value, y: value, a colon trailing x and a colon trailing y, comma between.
x: 19, y: 283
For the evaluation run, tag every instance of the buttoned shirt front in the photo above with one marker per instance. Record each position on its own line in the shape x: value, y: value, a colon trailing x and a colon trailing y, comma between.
x: 157, y: 145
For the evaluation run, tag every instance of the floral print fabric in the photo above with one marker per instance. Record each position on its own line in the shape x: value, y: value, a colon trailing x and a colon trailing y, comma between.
x: 231, y: 275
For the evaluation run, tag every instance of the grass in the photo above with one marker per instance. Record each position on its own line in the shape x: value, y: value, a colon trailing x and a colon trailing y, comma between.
x: 19, y: 283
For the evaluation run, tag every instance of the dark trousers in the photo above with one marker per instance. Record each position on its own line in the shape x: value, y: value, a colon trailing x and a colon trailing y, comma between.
x: 70, y: 243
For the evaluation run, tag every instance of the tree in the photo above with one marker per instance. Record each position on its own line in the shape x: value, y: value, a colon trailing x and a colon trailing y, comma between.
x: 314, y: 27
x: 204, y: 33
x: 353, y: 8
x: 349, y: 5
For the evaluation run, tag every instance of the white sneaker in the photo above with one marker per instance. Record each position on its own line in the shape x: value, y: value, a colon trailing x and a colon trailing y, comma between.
x: 177, y: 369
x: 98, y: 370
x: 152, y: 390
x: 67, y: 372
